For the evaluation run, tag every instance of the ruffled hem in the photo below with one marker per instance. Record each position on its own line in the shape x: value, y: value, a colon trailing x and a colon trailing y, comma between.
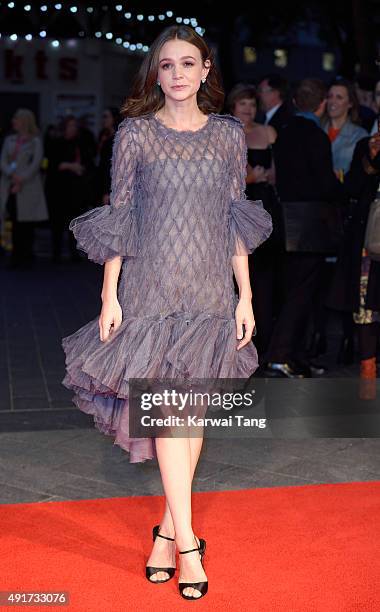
x: 250, y: 226
x: 175, y: 346
x: 106, y: 231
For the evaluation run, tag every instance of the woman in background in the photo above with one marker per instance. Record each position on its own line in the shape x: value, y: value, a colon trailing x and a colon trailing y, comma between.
x: 70, y: 164
x: 342, y: 125
x: 242, y: 102
x: 21, y: 193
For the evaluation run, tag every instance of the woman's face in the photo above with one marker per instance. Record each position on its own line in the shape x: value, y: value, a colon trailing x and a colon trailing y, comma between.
x: 71, y: 129
x: 180, y: 69
x: 338, y: 102
x: 107, y: 119
x: 377, y: 96
x: 245, y: 109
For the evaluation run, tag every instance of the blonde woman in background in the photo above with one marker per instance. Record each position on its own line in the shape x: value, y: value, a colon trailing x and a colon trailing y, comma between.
x: 21, y: 192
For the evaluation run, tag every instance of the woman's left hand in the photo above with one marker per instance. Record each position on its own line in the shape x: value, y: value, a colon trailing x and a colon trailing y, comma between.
x: 244, y: 315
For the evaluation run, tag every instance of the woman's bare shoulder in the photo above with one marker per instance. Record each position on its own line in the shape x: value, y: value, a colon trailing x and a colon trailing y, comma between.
x: 261, y: 133
x: 271, y: 133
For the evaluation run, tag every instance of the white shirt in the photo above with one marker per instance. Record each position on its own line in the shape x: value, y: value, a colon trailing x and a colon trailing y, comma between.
x: 269, y: 114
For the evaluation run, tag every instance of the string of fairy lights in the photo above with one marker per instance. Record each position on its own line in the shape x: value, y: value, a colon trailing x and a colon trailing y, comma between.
x: 76, y: 10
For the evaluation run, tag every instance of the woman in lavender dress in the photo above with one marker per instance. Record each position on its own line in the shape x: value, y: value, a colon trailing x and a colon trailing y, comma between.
x: 178, y: 227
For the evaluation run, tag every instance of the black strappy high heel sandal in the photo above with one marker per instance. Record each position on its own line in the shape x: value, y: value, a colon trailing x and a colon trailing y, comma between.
x: 200, y: 586
x: 149, y: 570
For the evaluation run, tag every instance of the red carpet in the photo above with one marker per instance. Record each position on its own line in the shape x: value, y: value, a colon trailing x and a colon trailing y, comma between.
x: 289, y: 549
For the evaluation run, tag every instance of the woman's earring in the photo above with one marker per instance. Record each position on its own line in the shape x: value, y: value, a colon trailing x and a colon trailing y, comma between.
x: 204, y: 80
x: 158, y: 83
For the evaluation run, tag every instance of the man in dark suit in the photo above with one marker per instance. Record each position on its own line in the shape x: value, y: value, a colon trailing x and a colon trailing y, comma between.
x: 272, y: 91
x: 304, y: 172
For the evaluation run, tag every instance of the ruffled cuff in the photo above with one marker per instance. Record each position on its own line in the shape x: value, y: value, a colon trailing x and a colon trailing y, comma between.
x: 105, y: 232
x: 249, y: 226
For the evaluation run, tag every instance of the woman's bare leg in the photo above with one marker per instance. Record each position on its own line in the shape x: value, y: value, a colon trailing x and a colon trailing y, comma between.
x: 174, y: 457
x: 163, y: 551
x: 178, y: 459
x: 166, y: 522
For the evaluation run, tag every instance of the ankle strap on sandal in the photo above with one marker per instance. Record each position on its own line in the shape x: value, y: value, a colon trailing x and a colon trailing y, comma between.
x: 182, y: 552
x: 165, y: 537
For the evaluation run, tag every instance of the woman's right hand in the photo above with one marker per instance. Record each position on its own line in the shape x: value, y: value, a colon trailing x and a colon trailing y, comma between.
x: 258, y: 174
x: 110, y: 318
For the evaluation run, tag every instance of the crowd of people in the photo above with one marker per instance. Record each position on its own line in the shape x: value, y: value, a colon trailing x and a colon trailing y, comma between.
x: 311, y: 146
x: 62, y: 175
x: 312, y: 151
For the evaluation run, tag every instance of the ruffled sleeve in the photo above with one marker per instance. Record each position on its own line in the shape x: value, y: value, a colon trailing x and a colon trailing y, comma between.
x: 112, y: 230
x: 249, y: 223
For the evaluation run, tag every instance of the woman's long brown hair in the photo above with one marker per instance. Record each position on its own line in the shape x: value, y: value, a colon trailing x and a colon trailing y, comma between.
x: 146, y: 96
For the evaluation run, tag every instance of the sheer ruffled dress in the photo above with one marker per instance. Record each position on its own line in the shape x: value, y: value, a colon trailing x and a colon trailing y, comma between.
x: 178, y: 213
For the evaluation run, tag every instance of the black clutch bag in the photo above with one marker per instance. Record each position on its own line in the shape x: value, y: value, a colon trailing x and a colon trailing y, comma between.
x: 312, y: 227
